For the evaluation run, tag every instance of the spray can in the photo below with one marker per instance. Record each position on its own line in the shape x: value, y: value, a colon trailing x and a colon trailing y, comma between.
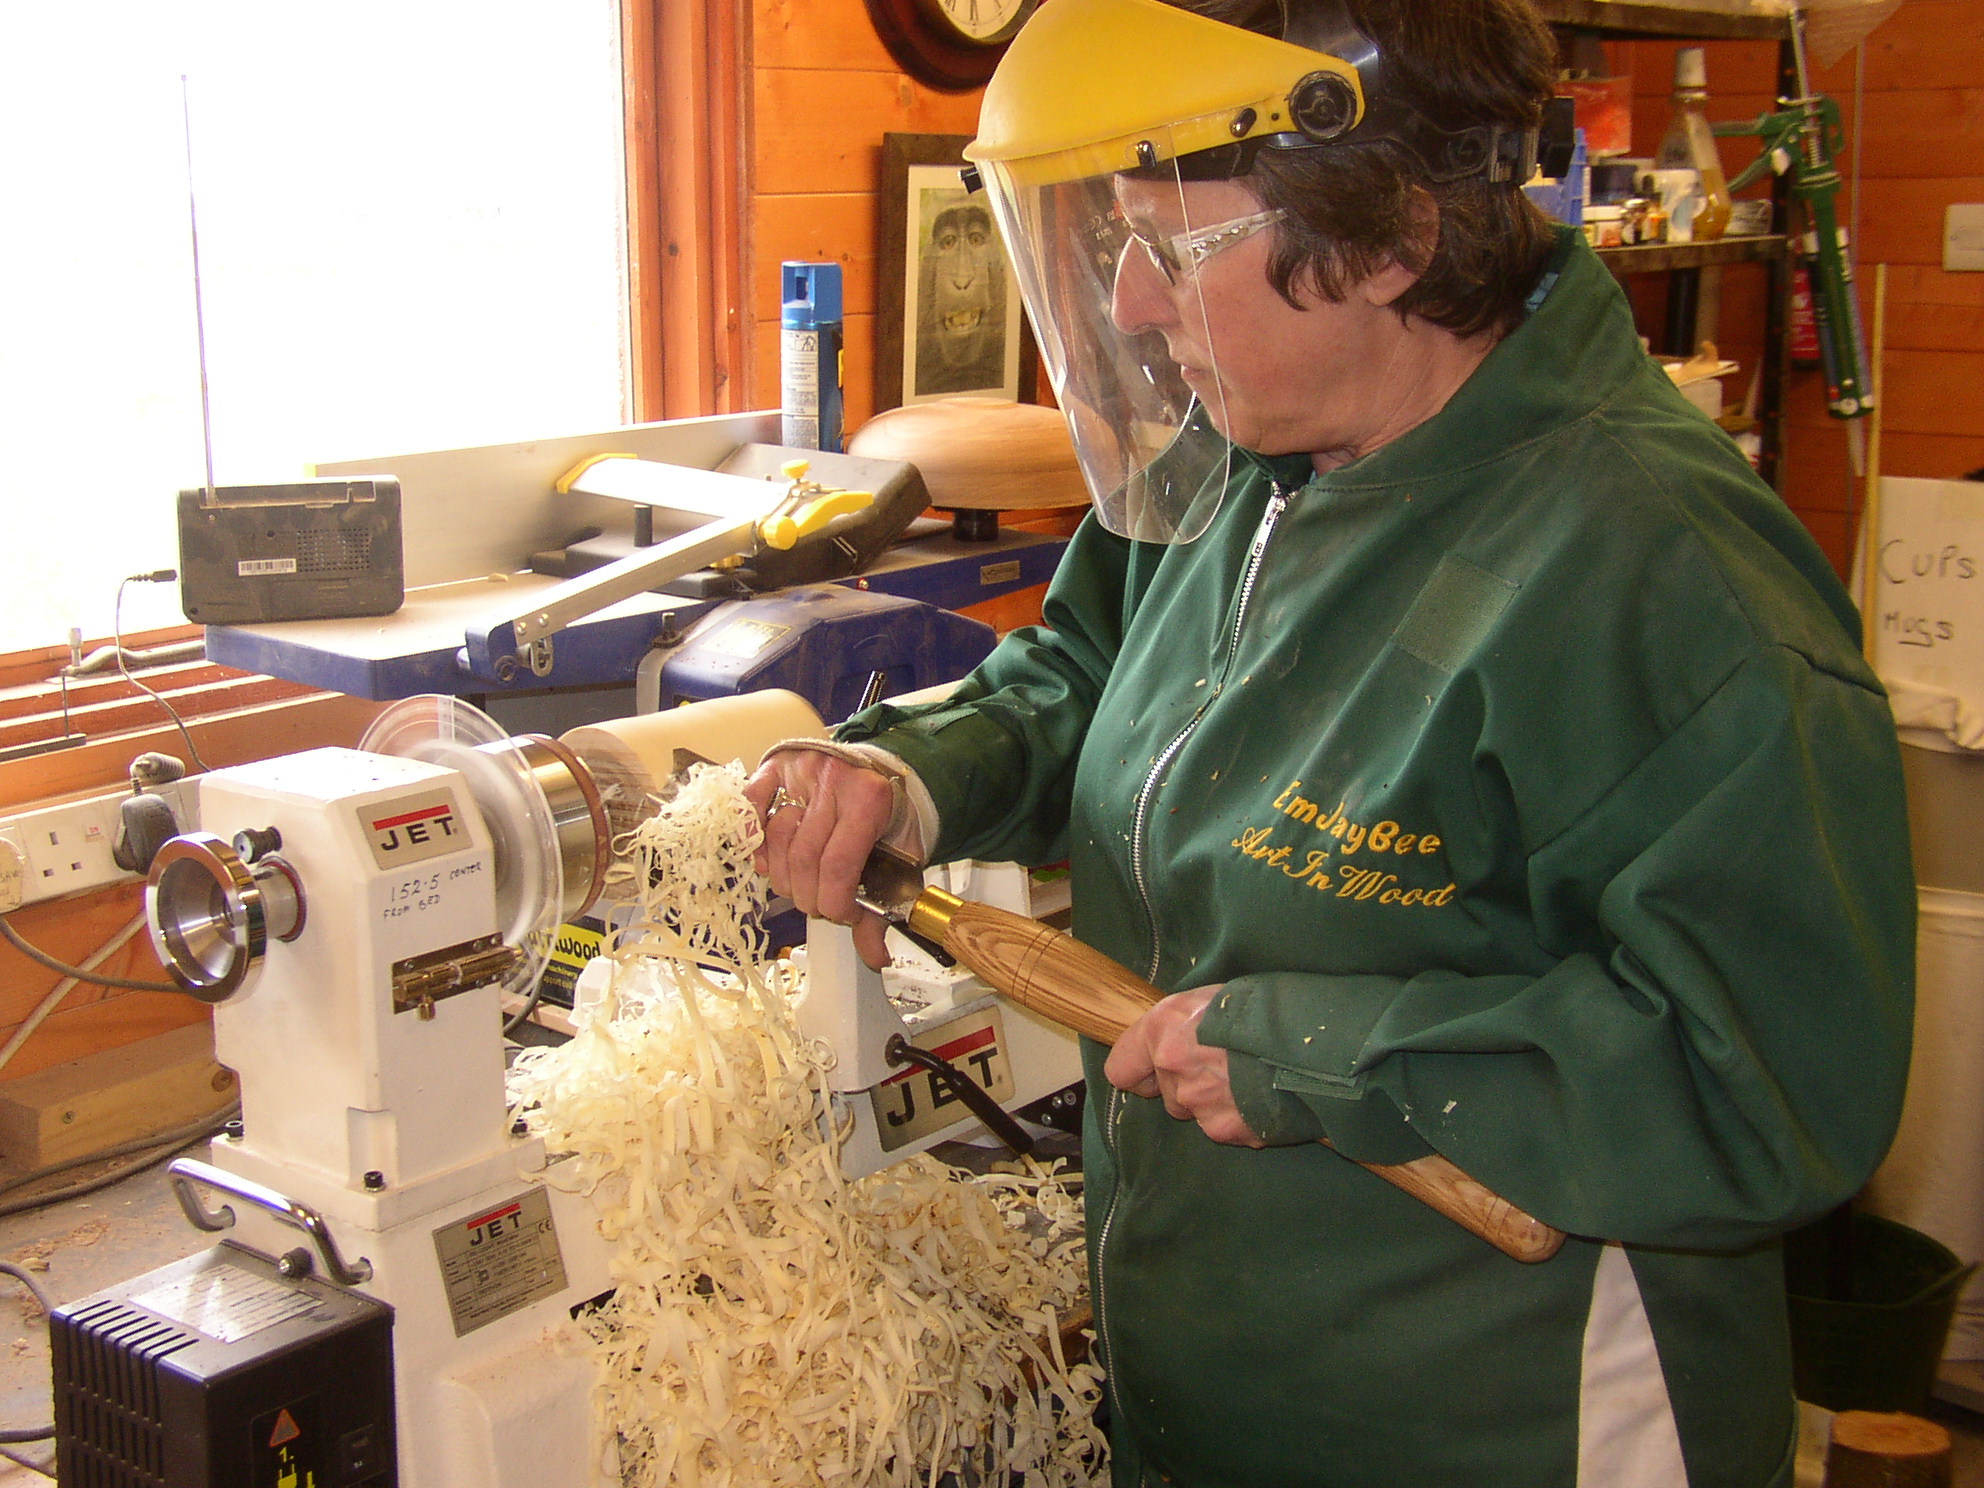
x: 810, y: 355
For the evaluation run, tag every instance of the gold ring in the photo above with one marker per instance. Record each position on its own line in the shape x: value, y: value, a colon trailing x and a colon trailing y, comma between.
x: 782, y: 798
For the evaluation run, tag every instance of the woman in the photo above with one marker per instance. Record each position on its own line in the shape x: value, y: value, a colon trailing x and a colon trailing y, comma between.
x: 1440, y: 710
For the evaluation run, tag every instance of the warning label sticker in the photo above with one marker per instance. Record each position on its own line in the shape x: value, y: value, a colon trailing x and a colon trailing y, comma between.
x: 288, y: 1449
x: 500, y: 1260
x: 748, y: 638
x: 226, y: 1302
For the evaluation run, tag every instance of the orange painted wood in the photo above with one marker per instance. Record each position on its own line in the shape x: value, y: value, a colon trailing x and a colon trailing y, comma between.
x: 90, y: 1018
x: 133, y: 710
x: 830, y: 34
x: 40, y: 663
x: 1901, y: 221
x: 1932, y: 456
x: 1925, y: 326
x: 821, y: 131
x: 1077, y: 986
x: 224, y: 739
x: 819, y: 227
x: 646, y: 247
x: 1009, y: 611
x: 1927, y: 132
x: 1926, y: 44
x: 1834, y: 534
x: 1736, y: 69
x: 1924, y: 392
x: 76, y: 1033
x: 701, y: 111
x: 41, y: 695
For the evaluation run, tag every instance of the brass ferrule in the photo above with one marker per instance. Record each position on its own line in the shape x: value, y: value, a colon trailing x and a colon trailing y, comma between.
x: 930, y: 915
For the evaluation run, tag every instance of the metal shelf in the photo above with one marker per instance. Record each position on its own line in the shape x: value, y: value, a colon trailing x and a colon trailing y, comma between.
x: 1658, y: 258
x: 1623, y: 19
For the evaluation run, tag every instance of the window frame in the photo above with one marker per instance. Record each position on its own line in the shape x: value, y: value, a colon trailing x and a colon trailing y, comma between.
x: 687, y: 74
x: 686, y: 85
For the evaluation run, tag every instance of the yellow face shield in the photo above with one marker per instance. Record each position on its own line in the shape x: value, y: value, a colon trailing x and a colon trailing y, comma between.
x: 1081, y: 138
x: 1091, y: 87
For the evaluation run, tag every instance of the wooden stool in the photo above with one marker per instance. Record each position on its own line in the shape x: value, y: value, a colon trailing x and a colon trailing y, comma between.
x: 1877, y: 1449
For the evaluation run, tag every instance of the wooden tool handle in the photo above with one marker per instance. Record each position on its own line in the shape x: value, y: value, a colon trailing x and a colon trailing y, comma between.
x: 1077, y: 986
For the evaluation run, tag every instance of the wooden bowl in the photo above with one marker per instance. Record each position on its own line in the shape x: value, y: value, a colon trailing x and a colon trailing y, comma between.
x: 980, y: 454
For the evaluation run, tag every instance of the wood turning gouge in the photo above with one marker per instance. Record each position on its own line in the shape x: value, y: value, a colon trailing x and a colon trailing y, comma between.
x: 1055, y: 975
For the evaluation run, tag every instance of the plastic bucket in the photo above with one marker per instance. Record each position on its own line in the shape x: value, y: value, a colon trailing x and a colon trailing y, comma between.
x: 1933, y: 1178
x: 1871, y: 1302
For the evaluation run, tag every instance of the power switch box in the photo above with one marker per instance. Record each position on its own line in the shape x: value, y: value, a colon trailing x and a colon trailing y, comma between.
x: 220, y: 1371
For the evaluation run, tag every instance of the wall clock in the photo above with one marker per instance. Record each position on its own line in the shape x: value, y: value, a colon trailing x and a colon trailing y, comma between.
x: 949, y: 44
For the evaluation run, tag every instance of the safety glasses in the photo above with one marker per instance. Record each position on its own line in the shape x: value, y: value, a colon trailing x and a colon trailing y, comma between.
x: 1180, y: 254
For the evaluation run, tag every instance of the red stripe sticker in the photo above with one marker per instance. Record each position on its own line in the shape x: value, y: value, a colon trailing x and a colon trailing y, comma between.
x: 411, y: 816
x: 503, y: 1213
x: 951, y: 1053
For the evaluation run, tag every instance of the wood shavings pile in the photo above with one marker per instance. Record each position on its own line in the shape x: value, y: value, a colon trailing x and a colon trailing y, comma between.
x: 775, y: 1323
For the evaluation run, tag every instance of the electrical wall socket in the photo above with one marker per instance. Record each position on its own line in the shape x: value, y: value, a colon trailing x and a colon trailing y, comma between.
x: 1963, y: 237
x: 64, y: 849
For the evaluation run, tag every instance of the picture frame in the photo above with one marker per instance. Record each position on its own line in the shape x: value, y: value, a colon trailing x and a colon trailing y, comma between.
x: 943, y: 334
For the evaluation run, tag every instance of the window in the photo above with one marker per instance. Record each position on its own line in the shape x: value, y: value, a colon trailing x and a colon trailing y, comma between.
x: 411, y: 231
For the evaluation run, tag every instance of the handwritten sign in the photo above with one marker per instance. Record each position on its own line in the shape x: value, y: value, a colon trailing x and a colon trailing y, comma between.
x: 1928, y: 620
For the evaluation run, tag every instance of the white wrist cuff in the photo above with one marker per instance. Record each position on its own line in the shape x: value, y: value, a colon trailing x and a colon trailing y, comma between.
x: 913, y: 823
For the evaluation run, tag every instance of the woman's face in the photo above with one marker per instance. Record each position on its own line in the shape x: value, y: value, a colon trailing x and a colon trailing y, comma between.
x: 1274, y: 379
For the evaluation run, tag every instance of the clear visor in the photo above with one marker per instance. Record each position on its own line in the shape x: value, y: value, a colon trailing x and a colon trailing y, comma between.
x: 1109, y: 266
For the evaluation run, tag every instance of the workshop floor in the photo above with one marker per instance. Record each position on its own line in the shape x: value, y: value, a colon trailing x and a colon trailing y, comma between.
x: 85, y: 1244
x: 100, y: 1239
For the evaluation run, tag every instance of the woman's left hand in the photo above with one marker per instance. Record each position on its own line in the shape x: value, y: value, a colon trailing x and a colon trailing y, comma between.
x: 1160, y: 1055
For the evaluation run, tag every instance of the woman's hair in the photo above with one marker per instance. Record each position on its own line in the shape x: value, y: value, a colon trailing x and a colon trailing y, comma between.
x: 1354, y: 208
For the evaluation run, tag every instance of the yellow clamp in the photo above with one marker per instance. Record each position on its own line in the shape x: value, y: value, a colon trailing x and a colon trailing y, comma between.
x: 784, y: 529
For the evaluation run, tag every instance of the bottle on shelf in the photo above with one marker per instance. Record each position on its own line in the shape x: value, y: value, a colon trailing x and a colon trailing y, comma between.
x: 1689, y: 145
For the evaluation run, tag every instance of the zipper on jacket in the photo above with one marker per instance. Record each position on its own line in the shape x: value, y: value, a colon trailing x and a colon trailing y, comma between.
x: 1277, y: 502
x: 1097, y: 1308
x: 1140, y: 819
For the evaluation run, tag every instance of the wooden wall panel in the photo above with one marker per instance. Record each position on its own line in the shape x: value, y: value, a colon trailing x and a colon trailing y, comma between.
x: 1938, y: 44
x: 1901, y: 223
x: 826, y: 227
x: 825, y: 92
x: 1922, y: 133
x: 1933, y: 456
x: 834, y: 35
x: 90, y: 1018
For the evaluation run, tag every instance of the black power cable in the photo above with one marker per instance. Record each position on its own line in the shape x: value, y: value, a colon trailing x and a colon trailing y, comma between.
x: 15, y: 1435
x: 159, y: 576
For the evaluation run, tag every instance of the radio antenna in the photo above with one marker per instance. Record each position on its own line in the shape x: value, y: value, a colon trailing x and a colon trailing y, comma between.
x: 199, y: 305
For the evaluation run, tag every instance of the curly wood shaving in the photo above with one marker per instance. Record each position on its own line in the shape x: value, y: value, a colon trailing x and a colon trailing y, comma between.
x: 774, y: 1323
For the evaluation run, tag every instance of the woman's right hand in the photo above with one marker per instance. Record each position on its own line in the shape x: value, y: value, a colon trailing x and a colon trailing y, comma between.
x: 822, y: 816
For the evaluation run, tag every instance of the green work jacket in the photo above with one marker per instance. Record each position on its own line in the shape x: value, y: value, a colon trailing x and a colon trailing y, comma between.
x: 1523, y: 785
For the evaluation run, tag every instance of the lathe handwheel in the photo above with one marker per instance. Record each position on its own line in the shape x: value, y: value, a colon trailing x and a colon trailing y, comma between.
x: 212, y: 915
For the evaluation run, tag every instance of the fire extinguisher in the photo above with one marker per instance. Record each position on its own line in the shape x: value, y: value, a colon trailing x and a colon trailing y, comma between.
x: 1805, y: 354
